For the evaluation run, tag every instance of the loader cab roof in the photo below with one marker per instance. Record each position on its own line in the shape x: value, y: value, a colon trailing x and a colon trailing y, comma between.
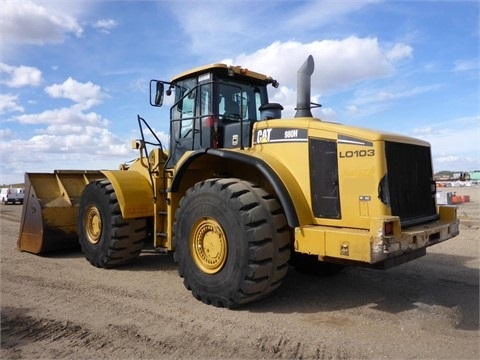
x: 224, y: 71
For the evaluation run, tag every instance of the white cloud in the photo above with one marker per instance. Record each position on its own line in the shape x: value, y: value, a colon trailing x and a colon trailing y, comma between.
x: 19, y: 76
x: 216, y: 28
x: 466, y: 65
x: 99, y: 149
x: 375, y: 96
x: 87, y: 93
x: 210, y: 26
x: 69, y: 139
x: 284, y: 95
x: 352, y: 109
x: 453, y: 143
x: 327, y: 114
x: 454, y: 162
x: 105, y: 25
x: 399, y: 52
x: 447, y: 159
x: 72, y: 116
x: 66, y: 137
x: 337, y: 62
x: 9, y: 103
x: 26, y: 22
x: 92, y: 141
x: 426, y: 131
x: 6, y: 134
x: 315, y: 13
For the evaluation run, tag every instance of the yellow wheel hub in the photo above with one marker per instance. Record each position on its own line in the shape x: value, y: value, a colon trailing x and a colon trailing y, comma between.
x: 208, y: 245
x: 93, y: 224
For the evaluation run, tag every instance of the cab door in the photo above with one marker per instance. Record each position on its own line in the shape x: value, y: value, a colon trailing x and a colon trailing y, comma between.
x: 191, y: 119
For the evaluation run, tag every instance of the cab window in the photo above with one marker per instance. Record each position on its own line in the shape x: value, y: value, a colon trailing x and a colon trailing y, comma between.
x: 182, y: 112
x: 239, y: 102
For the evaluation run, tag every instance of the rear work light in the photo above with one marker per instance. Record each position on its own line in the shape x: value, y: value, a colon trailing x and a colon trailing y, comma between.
x: 388, y: 228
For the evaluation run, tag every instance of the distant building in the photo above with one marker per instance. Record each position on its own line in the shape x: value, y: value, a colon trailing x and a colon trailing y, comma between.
x: 475, y: 175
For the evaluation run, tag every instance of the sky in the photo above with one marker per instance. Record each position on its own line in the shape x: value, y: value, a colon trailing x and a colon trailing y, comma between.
x: 74, y: 75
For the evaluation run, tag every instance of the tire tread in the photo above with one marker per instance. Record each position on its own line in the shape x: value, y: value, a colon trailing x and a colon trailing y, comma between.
x: 268, y: 238
x: 127, y: 236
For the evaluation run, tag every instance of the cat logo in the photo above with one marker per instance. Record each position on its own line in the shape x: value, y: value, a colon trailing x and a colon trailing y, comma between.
x: 263, y: 136
x: 280, y: 135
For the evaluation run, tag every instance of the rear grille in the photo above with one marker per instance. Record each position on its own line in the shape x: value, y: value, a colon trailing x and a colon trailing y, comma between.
x: 410, y: 185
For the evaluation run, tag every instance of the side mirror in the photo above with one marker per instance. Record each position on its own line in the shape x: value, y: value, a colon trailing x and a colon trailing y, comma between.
x: 156, y: 93
x: 159, y: 94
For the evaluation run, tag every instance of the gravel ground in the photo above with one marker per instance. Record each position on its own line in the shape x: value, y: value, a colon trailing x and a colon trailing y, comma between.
x: 59, y: 306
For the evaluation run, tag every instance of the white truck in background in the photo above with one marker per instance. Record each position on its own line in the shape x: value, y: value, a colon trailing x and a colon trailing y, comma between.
x: 12, y: 195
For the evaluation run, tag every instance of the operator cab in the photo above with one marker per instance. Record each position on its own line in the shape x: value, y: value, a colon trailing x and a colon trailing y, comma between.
x: 215, y: 106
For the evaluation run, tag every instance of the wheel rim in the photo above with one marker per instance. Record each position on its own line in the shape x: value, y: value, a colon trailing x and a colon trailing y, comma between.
x: 208, y: 245
x: 93, y: 224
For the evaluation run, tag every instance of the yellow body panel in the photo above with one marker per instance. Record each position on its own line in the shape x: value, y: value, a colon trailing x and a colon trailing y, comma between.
x: 134, y: 193
x: 285, y: 166
x: 371, y: 246
x: 357, y: 235
x: 358, y: 179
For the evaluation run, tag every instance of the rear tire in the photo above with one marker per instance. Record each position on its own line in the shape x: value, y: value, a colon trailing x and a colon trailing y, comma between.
x: 106, y: 238
x: 232, y: 242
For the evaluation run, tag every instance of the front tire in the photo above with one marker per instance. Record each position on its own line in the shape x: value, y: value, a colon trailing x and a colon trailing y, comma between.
x: 106, y: 238
x: 232, y: 242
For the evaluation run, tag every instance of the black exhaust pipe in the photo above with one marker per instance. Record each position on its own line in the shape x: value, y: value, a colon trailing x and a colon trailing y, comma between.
x: 304, y: 75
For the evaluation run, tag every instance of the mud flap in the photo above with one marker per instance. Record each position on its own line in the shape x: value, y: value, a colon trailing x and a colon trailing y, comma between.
x: 49, y: 214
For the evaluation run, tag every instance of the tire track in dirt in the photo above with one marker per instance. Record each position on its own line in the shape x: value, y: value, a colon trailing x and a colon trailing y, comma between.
x: 64, y: 337
x: 22, y: 334
x: 58, y: 306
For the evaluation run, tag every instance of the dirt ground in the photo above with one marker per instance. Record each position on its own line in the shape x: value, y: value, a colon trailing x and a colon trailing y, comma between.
x: 59, y: 306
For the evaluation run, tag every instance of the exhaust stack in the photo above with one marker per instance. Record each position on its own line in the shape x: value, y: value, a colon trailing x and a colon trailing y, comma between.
x: 304, y: 75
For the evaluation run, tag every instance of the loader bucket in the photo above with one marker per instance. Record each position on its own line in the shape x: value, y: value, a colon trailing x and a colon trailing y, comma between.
x: 50, y: 206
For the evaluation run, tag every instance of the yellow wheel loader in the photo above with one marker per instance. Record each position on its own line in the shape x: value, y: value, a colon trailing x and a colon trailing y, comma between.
x: 241, y: 193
